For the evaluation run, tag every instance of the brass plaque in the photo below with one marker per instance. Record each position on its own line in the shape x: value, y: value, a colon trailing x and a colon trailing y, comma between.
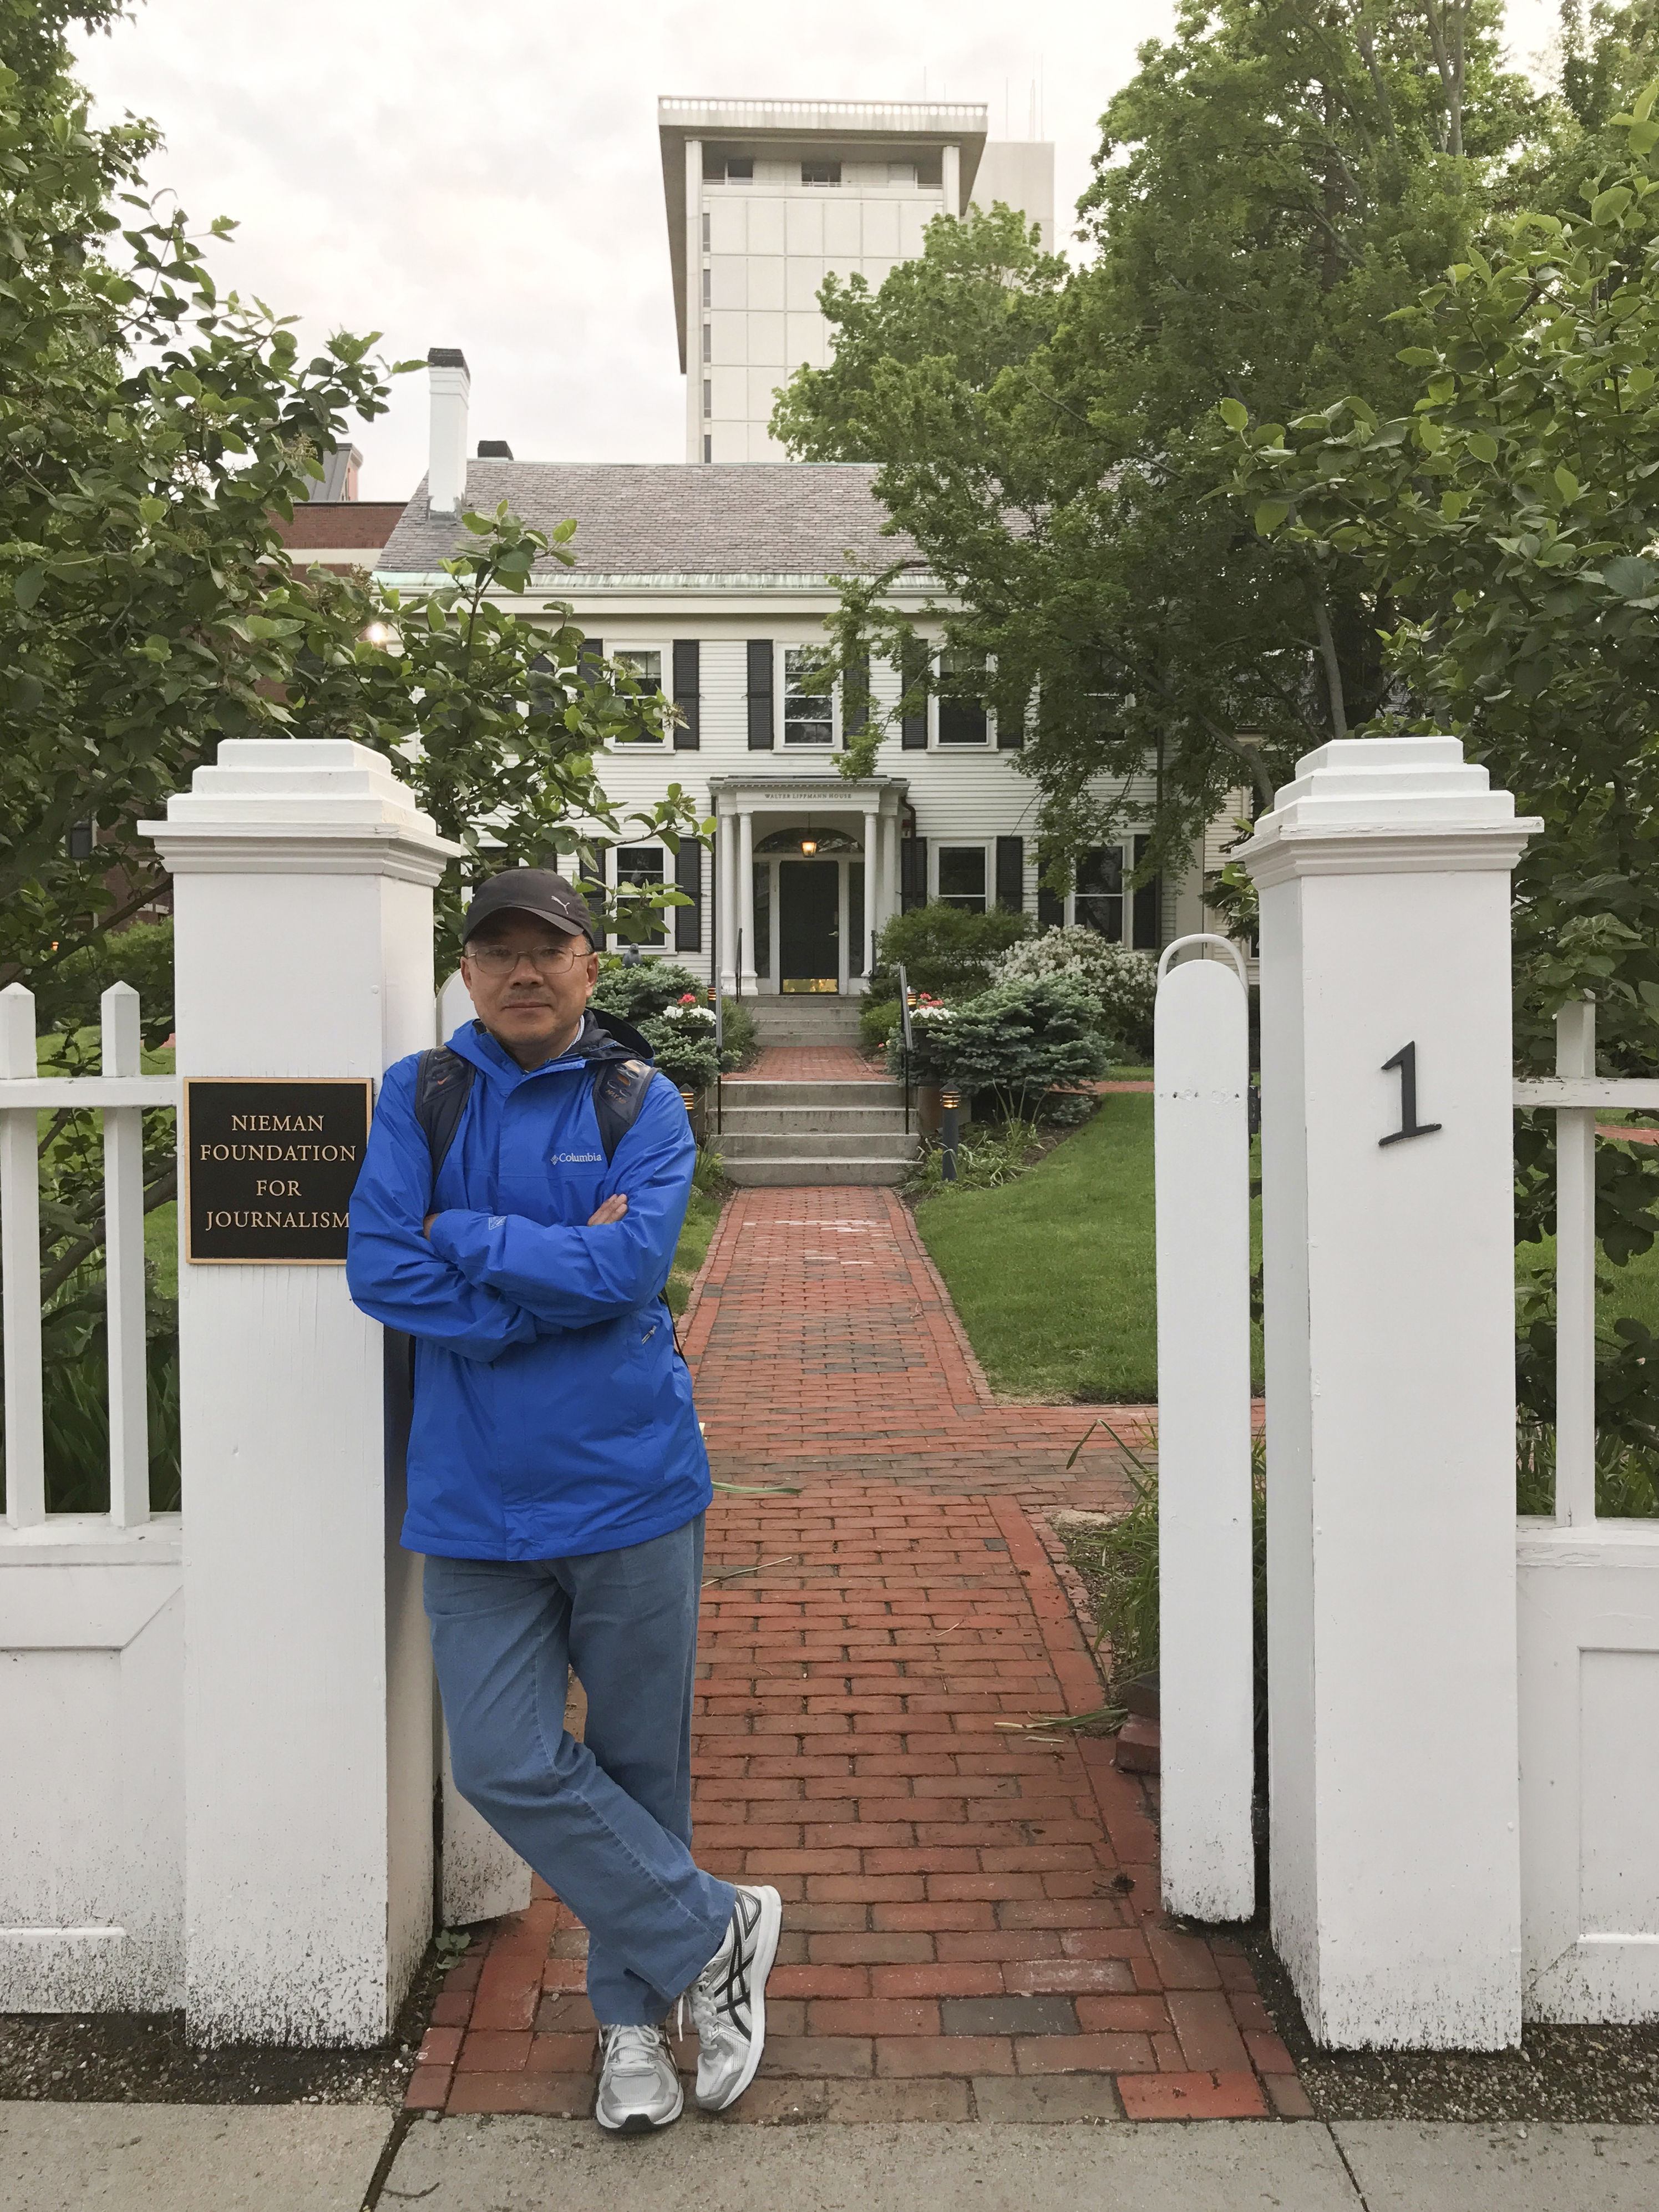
x: 269, y: 1166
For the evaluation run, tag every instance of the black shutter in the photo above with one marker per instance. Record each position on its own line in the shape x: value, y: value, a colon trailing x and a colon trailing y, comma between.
x: 1011, y: 731
x: 913, y: 731
x: 855, y: 720
x: 688, y: 697
x: 1143, y: 926
x: 760, y: 695
x: 592, y: 653
x: 688, y: 878
x: 1051, y: 908
x: 1011, y: 873
x: 913, y: 873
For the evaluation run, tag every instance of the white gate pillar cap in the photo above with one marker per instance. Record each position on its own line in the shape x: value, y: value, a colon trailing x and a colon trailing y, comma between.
x: 299, y: 806
x: 1386, y: 805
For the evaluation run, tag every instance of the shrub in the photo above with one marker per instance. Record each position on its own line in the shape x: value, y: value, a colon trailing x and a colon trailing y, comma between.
x: 985, y: 1160
x: 639, y: 992
x: 944, y: 949
x: 1124, y: 983
x: 141, y: 956
x: 932, y: 1055
x: 684, y: 1049
x: 1011, y: 1045
x: 878, y: 1019
x: 738, y: 1025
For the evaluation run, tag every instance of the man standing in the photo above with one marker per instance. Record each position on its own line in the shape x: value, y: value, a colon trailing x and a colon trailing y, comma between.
x: 557, y: 1481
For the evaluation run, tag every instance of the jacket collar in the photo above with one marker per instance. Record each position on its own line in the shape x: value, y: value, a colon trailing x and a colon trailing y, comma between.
x: 603, y: 1037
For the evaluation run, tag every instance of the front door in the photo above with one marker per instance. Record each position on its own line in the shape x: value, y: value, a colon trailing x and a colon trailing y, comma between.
x: 809, y: 925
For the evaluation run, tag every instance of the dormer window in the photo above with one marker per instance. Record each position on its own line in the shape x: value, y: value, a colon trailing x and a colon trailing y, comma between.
x: 820, y: 172
x: 740, y: 169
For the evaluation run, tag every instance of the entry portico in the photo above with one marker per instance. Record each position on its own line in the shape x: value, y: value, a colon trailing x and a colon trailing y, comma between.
x: 806, y: 875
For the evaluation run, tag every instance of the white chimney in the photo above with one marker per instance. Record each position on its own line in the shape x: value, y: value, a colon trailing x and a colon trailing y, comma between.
x: 452, y: 388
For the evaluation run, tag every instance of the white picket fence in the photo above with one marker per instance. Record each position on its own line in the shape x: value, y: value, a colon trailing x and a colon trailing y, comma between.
x: 121, y: 1094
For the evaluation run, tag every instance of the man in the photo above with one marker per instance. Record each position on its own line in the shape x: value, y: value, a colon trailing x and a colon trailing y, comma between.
x: 557, y: 1481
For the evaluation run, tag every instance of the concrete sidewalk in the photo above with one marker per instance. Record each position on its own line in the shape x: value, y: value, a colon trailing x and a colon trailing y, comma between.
x: 320, y: 2158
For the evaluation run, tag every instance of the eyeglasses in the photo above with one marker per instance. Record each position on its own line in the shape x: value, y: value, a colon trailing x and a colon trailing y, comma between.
x: 503, y: 959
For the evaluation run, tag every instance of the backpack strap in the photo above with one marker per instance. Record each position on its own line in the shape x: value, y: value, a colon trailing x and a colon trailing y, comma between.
x: 443, y: 1084
x: 618, y: 1094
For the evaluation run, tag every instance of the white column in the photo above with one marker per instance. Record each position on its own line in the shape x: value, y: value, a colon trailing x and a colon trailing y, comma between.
x: 951, y: 164
x: 695, y: 425
x: 892, y: 839
x: 746, y: 897
x: 1202, y: 1163
x: 873, y: 916
x: 725, y: 865
x: 303, y: 876
x: 1384, y: 874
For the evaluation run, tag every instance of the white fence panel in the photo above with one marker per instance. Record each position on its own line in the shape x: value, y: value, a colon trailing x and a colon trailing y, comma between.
x: 91, y: 1604
x: 1588, y: 1594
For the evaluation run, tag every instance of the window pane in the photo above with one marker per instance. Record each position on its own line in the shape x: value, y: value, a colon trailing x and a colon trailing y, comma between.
x: 808, y: 717
x: 1098, y: 904
x: 962, y: 876
x: 820, y: 172
x: 961, y: 716
x: 640, y: 864
x: 857, y: 940
x: 646, y: 668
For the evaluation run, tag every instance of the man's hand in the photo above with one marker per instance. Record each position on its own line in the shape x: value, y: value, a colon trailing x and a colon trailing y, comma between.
x: 609, y: 1210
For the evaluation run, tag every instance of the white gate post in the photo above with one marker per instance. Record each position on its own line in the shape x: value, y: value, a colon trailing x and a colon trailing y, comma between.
x: 1389, y: 1240
x: 1206, y: 1677
x: 303, y: 876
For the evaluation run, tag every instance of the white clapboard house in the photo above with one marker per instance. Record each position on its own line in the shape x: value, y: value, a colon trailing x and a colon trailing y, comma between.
x: 713, y: 582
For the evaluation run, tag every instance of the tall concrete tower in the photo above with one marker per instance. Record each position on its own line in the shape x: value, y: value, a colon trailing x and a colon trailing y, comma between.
x: 765, y: 198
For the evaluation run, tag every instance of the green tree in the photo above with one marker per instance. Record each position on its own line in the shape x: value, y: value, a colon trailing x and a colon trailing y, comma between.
x: 1511, y: 515
x: 152, y: 431
x: 1275, y: 180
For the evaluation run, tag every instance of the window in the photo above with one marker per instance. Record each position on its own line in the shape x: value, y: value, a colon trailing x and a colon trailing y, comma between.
x: 705, y: 234
x: 740, y: 169
x: 1098, y: 902
x: 640, y: 865
x: 962, y: 720
x: 708, y: 398
x: 707, y: 288
x: 646, y: 669
x: 708, y: 342
x: 707, y: 448
x: 820, y: 172
x: 808, y: 717
x: 962, y: 877
x: 901, y: 172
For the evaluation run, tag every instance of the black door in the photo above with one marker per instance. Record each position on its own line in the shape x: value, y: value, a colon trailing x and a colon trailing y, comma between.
x: 808, y: 925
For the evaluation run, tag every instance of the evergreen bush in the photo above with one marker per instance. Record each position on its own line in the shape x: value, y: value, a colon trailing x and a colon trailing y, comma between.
x: 944, y: 949
x: 1124, y: 983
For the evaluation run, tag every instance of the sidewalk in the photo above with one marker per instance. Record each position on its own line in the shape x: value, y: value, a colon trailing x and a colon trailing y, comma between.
x: 183, y: 2158
x: 971, y: 1913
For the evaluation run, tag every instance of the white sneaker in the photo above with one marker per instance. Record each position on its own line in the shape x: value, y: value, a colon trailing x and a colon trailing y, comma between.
x: 728, y: 1999
x: 639, y: 2082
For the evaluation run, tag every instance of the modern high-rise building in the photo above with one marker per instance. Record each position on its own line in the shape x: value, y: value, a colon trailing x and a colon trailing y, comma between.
x: 766, y: 197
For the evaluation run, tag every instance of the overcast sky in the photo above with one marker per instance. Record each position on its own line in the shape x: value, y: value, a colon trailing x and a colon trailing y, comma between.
x: 488, y: 175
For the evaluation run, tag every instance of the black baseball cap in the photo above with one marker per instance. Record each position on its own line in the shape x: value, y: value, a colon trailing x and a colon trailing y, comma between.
x: 535, y: 891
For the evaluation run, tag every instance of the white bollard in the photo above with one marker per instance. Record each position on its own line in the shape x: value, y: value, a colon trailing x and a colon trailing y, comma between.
x: 303, y: 876
x: 1205, y: 1683
x: 1388, y: 1241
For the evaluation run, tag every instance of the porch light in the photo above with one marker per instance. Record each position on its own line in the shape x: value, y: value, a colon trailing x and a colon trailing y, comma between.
x: 809, y: 845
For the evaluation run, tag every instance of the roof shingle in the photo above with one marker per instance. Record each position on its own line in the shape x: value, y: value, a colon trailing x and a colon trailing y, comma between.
x: 683, y: 519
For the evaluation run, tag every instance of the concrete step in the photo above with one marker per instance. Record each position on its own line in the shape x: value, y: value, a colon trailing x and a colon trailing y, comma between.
x: 802, y: 1174
x: 745, y: 1094
x: 806, y: 1021
x: 810, y: 1117
x: 794, y: 1144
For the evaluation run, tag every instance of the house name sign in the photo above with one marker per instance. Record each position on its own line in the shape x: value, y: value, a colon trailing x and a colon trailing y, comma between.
x: 269, y: 1165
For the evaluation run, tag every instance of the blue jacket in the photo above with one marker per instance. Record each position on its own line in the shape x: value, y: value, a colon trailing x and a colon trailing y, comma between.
x: 553, y: 1412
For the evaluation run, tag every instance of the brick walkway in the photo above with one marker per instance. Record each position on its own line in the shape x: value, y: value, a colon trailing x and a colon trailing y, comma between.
x: 810, y: 1063
x: 971, y: 1915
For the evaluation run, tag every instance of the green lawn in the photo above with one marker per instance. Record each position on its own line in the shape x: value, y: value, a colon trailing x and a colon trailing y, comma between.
x: 1054, y: 1274
x: 701, y: 1216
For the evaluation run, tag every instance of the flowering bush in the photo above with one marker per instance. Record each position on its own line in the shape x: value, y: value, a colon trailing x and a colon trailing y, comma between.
x: 684, y: 1050
x: 1122, y: 983
x: 644, y: 990
x: 1011, y: 1046
x: 930, y: 1042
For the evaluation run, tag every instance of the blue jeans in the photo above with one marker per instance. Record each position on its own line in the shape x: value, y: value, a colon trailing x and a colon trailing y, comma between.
x: 606, y: 1823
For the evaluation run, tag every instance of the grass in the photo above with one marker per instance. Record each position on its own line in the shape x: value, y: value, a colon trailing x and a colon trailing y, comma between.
x: 1055, y: 1274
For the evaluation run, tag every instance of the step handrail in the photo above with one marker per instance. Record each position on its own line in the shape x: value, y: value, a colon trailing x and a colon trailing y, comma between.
x: 904, y: 1032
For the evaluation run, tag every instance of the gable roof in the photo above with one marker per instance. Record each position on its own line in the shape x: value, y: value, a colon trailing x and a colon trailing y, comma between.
x: 677, y: 518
